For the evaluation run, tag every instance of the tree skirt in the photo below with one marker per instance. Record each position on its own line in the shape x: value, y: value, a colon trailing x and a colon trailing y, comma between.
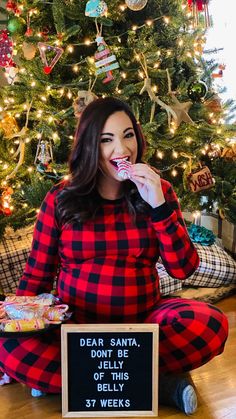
x: 209, y: 295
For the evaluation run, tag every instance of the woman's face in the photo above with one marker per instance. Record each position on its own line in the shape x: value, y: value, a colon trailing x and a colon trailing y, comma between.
x: 118, y: 141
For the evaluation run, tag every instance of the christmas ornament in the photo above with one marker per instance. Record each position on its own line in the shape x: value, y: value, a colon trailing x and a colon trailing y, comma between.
x: 49, y: 50
x: 11, y: 74
x: 16, y: 25
x: 44, y: 152
x: 219, y: 73
x: 29, y: 50
x: 29, y: 31
x: 136, y: 5
x: 95, y: 8
x: 6, y: 49
x: 199, y: 8
x: 9, y: 125
x: 199, y: 45
x: 229, y: 152
x: 200, y: 180
x: 197, y: 90
x: 105, y: 58
x: 83, y: 99
x: 11, y: 6
x: 181, y: 111
x: 213, y: 104
x: 43, y: 158
x: 5, y: 199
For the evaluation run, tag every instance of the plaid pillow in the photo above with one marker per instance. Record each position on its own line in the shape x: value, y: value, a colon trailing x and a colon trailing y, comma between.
x: 14, y: 251
x: 168, y: 285
x: 216, y: 267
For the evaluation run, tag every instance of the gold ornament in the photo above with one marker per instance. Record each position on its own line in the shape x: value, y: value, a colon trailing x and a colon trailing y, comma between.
x: 29, y: 50
x: 9, y: 125
x: 181, y: 110
x: 229, y: 152
x: 136, y: 5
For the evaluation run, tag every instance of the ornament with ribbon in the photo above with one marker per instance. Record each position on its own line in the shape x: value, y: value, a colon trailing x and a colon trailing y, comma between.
x: 105, y: 60
x: 5, y: 199
x: 47, y: 53
x: 200, y: 179
x: 6, y: 49
x: 198, y: 8
x: 95, y: 8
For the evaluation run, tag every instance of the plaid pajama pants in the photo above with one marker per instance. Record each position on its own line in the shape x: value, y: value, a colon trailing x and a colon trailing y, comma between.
x: 191, y: 333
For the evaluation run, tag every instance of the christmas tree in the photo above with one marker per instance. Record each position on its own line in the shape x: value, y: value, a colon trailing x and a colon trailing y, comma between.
x: 60, y: 55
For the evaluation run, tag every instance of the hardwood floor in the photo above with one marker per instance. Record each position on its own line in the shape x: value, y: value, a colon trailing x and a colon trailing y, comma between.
x: 215, y: 383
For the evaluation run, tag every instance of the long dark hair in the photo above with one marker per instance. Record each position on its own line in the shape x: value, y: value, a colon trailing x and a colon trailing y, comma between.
x: 79, y: 199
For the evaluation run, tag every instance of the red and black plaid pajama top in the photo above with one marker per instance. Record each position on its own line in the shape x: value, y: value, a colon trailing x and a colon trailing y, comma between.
x: 107, y: 274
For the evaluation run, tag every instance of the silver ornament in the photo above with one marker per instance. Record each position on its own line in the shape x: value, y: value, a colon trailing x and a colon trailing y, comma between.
x: 136, y: 5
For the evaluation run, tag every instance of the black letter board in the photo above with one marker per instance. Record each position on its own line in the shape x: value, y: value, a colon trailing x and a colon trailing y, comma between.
x: 109, y: 370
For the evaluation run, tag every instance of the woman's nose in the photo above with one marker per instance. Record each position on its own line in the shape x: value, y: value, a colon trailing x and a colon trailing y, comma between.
x: 120, y: 146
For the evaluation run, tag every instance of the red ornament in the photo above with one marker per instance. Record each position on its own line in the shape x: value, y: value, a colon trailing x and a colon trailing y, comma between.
x: 5, y: 199
x: 197, y: 7
x: 11, y: 6
x: 47, y: 69
x: 29, y: 32
x: 6, y: 49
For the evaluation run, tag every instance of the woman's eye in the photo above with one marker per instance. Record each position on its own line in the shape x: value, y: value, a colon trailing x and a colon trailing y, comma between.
x: 129, y: 135
x: 105, y: 140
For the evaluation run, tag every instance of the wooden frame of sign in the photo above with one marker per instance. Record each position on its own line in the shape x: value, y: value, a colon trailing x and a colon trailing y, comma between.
x: 109, y: 370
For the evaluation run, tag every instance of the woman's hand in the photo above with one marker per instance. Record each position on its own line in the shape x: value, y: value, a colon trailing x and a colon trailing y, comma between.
x: 148, y: 183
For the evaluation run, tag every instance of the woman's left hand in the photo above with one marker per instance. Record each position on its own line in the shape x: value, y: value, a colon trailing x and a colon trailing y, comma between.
x: 148, y: 183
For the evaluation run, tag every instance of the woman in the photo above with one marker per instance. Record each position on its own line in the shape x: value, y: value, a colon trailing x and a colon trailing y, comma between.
x: 106, y: 233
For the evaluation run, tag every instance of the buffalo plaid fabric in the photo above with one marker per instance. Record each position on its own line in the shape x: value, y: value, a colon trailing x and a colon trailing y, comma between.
x: 107, y: 265
x: 108, y: 275
x: 191, y: 334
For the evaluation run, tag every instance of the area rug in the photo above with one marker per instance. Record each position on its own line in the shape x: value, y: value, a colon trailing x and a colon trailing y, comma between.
x: 209, y: 295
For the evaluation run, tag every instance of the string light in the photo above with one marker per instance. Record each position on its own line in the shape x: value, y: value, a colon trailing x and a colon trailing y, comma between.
x: 166, y: 19
x: 122, y: 7
x: 70, y: 48
x: 160, y: 154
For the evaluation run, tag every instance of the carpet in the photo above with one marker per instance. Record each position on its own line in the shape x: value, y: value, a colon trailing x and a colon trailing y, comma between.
x: 209, y: 295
